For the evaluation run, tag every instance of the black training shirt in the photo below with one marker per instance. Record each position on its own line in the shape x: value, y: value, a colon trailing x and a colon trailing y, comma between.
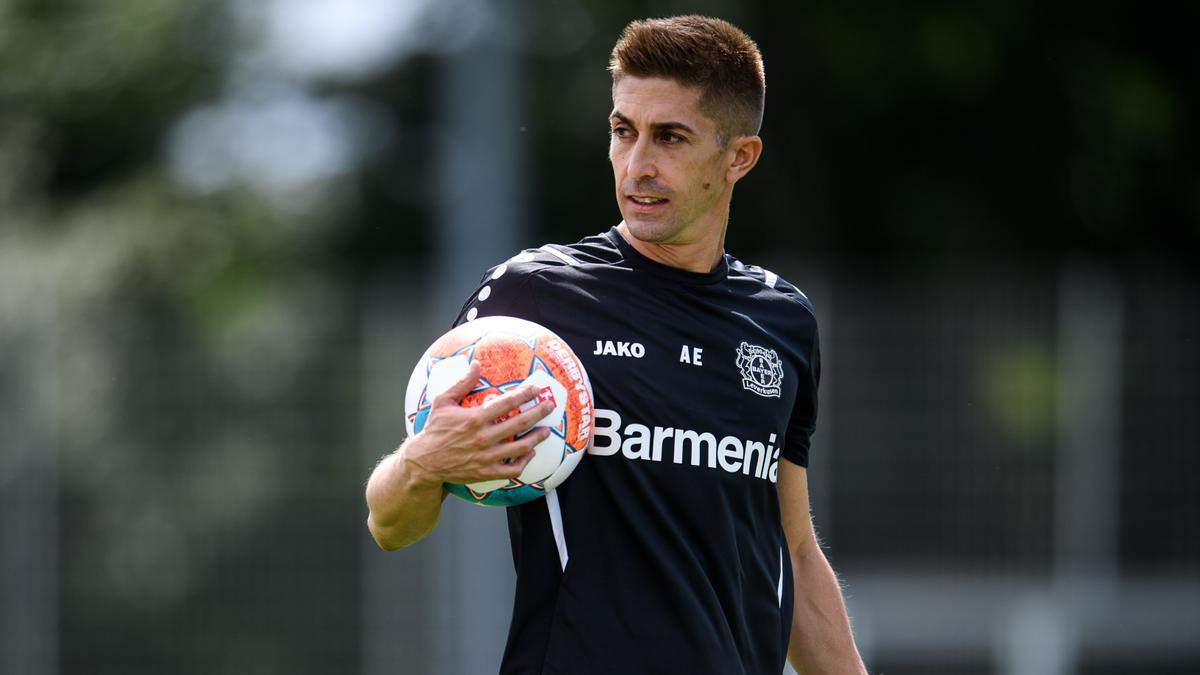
x: 663, y: 553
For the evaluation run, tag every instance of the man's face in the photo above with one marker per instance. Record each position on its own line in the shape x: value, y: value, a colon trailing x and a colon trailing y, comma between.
x: 670, y: 172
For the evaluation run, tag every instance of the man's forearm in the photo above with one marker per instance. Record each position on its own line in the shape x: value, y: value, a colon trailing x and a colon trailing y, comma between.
x: 402, y: 509
x: 821, y: 640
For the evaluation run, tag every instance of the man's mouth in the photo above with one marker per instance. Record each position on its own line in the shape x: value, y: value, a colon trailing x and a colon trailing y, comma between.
x: 647, y: 201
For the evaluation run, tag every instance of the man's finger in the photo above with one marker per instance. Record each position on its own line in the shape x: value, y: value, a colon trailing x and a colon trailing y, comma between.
x: 518, y: 454
x: 505, y: 403
x: 500, y: 469
x: 459, y: 390
x: 522, y: 421
x: 515, y: 467
x: 520, y: 449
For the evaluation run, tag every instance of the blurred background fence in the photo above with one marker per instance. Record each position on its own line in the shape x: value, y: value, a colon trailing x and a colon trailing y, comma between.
x: 228, y: 229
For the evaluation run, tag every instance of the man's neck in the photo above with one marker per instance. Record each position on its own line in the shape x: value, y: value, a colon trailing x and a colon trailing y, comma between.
x: 702, y: 255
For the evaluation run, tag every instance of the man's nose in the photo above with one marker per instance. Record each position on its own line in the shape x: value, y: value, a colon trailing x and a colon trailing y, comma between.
x: 641, y: 160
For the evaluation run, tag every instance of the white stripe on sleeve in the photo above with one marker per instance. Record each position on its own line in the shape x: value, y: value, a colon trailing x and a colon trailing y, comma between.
x: 560, y: 255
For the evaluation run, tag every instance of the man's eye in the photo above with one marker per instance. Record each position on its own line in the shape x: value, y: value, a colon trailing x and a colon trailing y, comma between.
x: 671, y: 138
x: 619, y: 132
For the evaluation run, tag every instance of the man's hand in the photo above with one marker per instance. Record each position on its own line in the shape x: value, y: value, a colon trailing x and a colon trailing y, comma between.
x: 467, y: 445
x: 456, y: 445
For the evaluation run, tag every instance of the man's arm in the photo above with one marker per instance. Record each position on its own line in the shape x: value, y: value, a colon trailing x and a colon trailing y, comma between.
x: 821, y: 641
x: 457, y: 445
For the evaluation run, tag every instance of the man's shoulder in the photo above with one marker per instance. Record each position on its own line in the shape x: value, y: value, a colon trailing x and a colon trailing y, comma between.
x: 512, y: 286
x: 550, y: 259
x: 769, y: 284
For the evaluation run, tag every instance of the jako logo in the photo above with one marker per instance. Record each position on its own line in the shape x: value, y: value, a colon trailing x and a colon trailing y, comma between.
x: 609, y: 348
x: 638, y: 441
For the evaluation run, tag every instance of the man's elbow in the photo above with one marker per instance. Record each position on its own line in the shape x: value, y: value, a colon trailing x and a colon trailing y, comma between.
x: 385, y: 539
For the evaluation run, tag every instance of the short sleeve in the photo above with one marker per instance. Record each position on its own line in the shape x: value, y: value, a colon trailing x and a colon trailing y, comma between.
x: 504, y: 290
x: 803, y: 421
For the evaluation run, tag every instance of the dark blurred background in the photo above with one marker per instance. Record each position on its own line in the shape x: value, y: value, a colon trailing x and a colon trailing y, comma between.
x: 229, y: 228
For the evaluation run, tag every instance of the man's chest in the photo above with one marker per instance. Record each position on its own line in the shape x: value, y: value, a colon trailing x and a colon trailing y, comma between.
x: 682, y: 378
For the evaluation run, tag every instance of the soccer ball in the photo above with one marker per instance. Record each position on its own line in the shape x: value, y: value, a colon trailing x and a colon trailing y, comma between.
x: 510, y: 352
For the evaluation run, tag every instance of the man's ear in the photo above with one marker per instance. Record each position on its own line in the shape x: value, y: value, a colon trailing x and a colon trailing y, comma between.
x: 744, y: 152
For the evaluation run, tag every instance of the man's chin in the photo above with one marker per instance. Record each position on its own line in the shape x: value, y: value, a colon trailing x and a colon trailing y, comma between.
x: 649, y: 230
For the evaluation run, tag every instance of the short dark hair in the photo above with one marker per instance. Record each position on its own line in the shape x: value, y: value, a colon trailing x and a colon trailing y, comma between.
x: 699, y: 51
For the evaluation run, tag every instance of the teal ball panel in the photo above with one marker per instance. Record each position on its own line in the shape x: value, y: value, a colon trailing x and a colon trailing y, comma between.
x: 502, y: 497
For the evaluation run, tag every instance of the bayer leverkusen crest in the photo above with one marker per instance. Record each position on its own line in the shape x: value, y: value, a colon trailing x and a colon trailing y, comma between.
x: 762, y: 369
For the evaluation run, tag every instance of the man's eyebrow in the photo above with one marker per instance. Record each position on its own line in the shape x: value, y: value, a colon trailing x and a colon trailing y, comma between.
x: 654, y: 126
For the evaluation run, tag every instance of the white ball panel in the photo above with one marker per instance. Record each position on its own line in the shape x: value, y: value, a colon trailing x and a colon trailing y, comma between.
x: 545, y: 460
x: 445, y: 373
x: 412, y: 395
x: 560, y: 474
x: 488, y: 485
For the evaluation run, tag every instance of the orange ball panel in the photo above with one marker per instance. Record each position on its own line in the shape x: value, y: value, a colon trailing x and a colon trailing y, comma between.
x: 503, y: 358
x: 450, y: 343
x: 566, y: 368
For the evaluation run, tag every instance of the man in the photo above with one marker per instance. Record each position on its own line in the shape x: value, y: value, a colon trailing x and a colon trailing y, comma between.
x: 683, y: 543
